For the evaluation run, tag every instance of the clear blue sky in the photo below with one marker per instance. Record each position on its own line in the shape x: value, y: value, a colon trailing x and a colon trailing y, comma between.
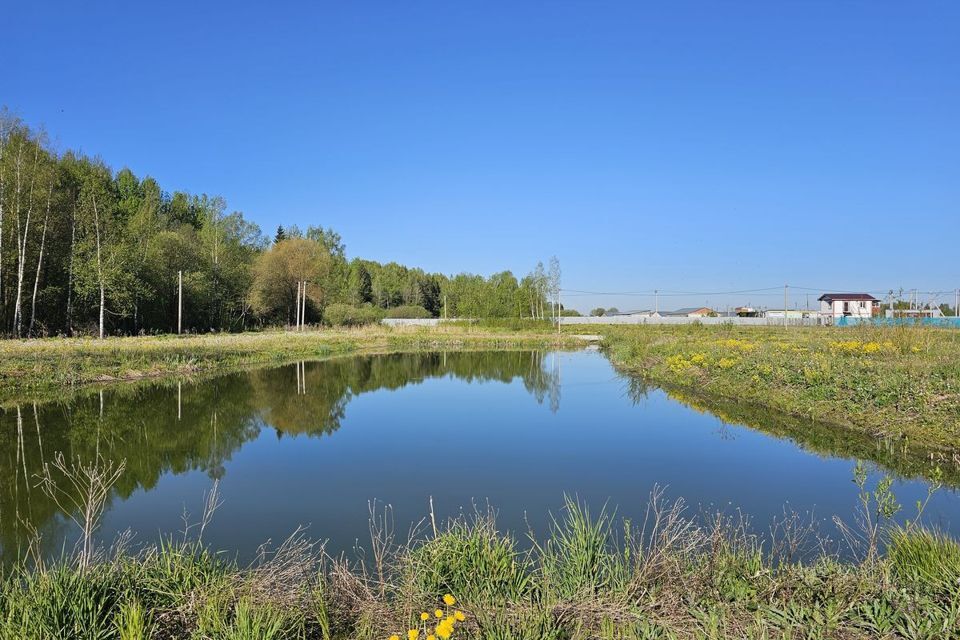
x: 687, y: 146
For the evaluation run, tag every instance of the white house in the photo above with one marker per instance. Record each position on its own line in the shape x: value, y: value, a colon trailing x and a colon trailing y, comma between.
x: 855, y: 305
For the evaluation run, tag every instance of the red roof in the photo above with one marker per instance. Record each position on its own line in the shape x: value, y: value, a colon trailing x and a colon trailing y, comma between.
x: 830, y: 297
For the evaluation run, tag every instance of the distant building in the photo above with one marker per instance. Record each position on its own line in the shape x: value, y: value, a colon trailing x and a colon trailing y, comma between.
x: 791, y: 314
x: 933, y: 312
x: 855, y: 305
x: 643, y: 313
x: 689, y: 312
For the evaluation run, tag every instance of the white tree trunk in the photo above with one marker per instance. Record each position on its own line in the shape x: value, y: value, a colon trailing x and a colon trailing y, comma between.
x: 16, y: 209
x: 22, y: 248
x: 96, y: 224
x: 36, y: 280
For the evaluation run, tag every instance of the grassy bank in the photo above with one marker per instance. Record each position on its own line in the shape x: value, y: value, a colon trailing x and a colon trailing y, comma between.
x: 51, y: 364
x: 590, y: 577
x: 897, y: 383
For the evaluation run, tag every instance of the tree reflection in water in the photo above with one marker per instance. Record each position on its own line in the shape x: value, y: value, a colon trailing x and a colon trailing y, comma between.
x: 177, y: 427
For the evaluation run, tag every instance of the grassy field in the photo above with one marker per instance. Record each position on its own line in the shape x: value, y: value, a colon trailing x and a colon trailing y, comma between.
x: 42, y: 366
x: 897, y: 384
x: 667, y: 577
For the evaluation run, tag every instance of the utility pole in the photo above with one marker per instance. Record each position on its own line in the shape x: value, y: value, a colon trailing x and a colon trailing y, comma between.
x: 445, y: 307
x: 179, y: 302
x: 558, y: 312
x: 956, y: 303
x: 303, y: 314
x: 784, y: 306
x: 656, y: 301
x: 296, y: 310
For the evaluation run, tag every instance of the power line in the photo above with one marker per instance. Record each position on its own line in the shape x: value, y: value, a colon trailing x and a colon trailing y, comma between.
x: 760, y: 291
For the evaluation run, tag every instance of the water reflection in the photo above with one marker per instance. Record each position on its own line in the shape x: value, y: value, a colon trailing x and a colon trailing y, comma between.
x: 288, y: 454
x: 181, y: 427
x: 897, y: 457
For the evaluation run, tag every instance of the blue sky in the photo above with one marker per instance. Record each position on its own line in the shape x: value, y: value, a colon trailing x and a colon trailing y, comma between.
x: 681, y: 146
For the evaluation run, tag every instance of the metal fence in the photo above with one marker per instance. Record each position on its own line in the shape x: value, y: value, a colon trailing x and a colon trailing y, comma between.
x: 411, y: 322
x: 737, y: 321
x: 951, y: 322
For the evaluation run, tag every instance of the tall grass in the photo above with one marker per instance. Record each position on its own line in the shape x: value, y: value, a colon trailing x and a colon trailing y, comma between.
x: 899, y: 383
x: 589, y: 576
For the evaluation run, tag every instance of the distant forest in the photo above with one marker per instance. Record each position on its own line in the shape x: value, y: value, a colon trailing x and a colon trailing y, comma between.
x: 85, y: 250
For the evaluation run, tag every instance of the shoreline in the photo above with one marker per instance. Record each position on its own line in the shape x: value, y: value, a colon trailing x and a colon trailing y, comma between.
x: 34, y: 368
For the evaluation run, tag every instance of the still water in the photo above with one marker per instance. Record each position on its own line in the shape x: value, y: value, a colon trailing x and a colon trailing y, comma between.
x: 314, y: 443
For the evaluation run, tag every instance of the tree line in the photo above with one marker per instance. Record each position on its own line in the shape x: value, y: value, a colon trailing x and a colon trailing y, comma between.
x: 85, y: 250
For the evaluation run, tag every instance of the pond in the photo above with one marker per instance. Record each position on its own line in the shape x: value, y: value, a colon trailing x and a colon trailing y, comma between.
x: 314, y: 443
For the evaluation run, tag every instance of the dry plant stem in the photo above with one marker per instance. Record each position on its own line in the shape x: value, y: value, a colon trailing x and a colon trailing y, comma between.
x: 82, y: 494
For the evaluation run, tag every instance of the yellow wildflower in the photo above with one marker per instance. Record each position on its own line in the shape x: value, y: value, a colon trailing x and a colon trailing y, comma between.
x: 871, y: 347
x: 726, y: 363
x: 678, y: 364
x: 394, y: 637
x: 438, y: 613
x: 449, y: 600
x: 424, y: 616
x: 413, y: 634
x: 445, y: 628
x: 733, y: 343
x: 431, y: 637
x: 459, y: 615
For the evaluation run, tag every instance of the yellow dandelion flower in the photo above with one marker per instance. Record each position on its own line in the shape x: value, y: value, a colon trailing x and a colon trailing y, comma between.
x: 458, y: 615
x: 424, y: 616
x: 431, y: 637
x: 413, y: 634
x: 438, y: 613
x: 445, y: 628
x: 449, y: 600
x: 394, y: 637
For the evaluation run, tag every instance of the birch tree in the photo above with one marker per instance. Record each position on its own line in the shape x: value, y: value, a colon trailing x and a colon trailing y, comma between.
x: 553, y: 285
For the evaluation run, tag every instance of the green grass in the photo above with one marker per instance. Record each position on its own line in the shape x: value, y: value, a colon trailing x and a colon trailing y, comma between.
x: 670, y: 576
x: 49, y: 365
x: 899, y: 384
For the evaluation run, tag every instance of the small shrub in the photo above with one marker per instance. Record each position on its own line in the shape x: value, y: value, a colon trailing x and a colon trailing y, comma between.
x: 345, y: 315
x: 408, y: 311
